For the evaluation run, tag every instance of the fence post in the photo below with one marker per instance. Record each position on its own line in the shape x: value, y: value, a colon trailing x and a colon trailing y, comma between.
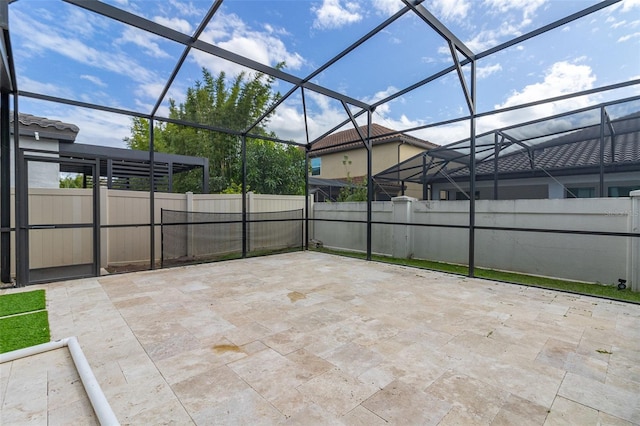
x: 634, y: 225
x: 250, y: 225
x: 190, y: 229
x: 104, y: 232
x: 401, y: 234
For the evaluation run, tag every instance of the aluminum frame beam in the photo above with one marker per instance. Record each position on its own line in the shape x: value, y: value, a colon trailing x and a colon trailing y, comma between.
x: 214, y: 8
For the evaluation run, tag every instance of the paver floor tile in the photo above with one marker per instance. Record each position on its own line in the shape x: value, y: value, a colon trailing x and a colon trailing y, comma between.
x: 308, y: 338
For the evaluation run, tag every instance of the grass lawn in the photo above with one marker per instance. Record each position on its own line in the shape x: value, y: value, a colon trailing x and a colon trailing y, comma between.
x: 598, y: 290
x: 16, y: 303
x: 21, y: 331
x: 23, y: 320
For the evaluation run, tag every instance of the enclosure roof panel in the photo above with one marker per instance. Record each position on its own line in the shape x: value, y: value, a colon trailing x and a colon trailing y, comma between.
x: 133, y: 56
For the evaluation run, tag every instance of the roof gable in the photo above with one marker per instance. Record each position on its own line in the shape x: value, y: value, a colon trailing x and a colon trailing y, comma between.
x: 350, y: 139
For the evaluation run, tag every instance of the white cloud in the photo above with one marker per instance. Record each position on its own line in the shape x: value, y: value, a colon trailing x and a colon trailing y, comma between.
x: 486, y: 39
x: 187, y: 8
x: 177, y: 24
x: 95, y: 80
x: 99, y: 128
x: 627, y: 5
x: 144, y: 40
x: 387, y: 7
x: 96, y: 127
x: 28, y: 85
x: 516, y: 16
x: 527, y: 7
x: 486, y: 71
x: 561, y: 78
x: 231, y: 33
x: 336, y: 14
x: 449, y: 10
x: 618, y: 24
x: 323, y: 114
x: 44, y: 38
x: 628, y: 37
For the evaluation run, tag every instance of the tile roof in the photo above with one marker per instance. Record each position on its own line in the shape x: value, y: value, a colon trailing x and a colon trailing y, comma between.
x: 574, y: 150
x: 45, y: 128
x: 349, y: 139
x: 28, y: 120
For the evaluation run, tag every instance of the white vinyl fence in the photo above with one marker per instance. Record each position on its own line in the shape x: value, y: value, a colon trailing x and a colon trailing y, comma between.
x: 120, y: 245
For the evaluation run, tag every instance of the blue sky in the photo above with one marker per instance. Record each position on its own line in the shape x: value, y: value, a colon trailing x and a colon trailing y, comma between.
x: 65, y: 51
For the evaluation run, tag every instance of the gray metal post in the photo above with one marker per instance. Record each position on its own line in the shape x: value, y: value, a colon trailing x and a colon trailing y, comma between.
x: 424, y: 178
x: 369, y: 184
x: 472, y: 172
x: 244, y: 196
x: 306, y: 196
x: 22, y: 201
x: 496, y: 153
x: 96, y: 217
x: 306, y: 170
x: 601, y: 173
x: 152, y: 203
x: 5, y: 190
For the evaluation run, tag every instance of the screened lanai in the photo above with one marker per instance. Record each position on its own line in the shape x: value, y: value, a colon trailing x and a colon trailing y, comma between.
x: 600, y: 142
x: 444, y: 72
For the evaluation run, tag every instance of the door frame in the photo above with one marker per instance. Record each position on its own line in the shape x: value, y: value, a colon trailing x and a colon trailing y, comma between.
x: 23, y: 270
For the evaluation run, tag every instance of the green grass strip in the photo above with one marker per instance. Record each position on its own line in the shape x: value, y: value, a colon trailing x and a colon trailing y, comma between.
x: 22, y: 331
x: 17, y: 303
x: 589, y: 289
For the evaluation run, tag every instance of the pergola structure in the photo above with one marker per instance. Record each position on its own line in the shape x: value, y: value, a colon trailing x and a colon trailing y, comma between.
x: 464, y: 67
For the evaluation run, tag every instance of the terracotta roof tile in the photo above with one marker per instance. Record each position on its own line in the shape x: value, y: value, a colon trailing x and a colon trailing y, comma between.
x: 349, y: 139
x: 28, y: 120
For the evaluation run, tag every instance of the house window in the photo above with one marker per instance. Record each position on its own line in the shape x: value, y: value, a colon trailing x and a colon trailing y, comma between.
x: 444, y: 195
x: 621, y: 191
x: 315, y: 166
x: 587, y: 192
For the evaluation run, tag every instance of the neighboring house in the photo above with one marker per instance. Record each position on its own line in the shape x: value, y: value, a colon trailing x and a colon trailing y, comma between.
x: 42, y: 134
x: 342, y: 157
x: 120, y: 168
x: 567, y: 166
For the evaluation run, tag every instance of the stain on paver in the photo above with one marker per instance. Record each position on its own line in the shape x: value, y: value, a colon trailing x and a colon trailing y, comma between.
x: 220, y: 349
x: 294, y: 296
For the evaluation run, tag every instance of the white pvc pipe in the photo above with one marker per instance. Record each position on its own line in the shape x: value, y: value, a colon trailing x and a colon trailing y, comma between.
x: 99, y: 402
x: 32, y: 350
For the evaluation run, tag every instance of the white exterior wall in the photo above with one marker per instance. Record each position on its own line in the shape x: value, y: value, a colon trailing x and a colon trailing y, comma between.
x: 41, y: 175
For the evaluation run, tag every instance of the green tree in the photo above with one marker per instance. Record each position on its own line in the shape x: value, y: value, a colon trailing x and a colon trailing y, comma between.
x: 234, y: 104
x: 352, y: 192
x: 71, y: 181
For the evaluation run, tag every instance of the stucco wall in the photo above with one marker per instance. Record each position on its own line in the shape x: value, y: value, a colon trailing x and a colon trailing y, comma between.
x: 383, y: 157
x: 590, y: 258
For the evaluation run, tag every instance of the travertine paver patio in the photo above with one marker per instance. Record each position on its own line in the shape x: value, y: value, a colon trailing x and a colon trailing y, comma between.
x: 310, y: 338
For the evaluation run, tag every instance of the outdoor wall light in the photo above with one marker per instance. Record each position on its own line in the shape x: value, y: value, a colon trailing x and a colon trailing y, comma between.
x: 622, y: 284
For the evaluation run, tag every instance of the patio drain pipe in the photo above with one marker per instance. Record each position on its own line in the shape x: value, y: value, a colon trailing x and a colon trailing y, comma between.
x: 99, y: 402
